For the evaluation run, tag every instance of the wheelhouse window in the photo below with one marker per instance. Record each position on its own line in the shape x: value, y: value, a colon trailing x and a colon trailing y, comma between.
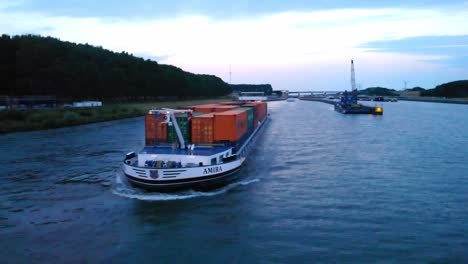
x: 213, y: 161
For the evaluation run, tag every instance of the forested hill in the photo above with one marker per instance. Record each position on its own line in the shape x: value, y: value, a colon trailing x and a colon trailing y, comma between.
x: 34, y: 65
x: 378, y: 91
x: 452, y: 89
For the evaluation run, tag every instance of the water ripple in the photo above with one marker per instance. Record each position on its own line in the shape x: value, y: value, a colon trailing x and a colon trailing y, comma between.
x: 319, y: 187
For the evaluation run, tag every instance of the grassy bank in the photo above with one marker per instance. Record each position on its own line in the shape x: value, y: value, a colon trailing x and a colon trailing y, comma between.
x: 35, y: 119
x: 435, y: 100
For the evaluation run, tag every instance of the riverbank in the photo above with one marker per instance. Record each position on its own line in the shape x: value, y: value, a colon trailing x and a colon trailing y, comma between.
x: 435, y: 100
x: 414, y: 99
x: 39, y: 119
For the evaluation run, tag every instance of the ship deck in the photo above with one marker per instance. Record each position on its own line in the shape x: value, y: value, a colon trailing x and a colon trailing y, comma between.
x: 198, y: 151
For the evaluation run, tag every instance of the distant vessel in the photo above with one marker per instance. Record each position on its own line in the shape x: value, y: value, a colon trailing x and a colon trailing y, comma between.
x: 290, y: 100
x: 348, y: 103
x: 200, y: 147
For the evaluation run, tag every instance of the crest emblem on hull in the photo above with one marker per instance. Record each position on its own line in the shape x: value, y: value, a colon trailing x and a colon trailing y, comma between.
x: 154, y: 174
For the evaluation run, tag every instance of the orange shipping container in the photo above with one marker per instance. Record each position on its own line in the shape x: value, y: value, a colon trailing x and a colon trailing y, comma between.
x: 155, y: 129
x: 232, y: 103
x: 202, y: 129
x: 206, y: 108
x: 256, y: 108
x: 230, y: 125
x: 223, y: 108
x: 260, y: 111
x: 263, y: 110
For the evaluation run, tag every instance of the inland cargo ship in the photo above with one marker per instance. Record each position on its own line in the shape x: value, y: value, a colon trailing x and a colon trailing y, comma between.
x: 197, y: 147
x: 348, y: 103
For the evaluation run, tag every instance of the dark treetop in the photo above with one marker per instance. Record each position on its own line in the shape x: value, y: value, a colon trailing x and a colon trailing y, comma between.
x: 451, y: 89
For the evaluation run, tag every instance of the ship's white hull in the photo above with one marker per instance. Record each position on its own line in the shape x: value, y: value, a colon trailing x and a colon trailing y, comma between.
x: 182, y: 178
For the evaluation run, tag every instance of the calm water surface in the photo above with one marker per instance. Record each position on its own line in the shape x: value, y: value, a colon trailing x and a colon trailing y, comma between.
x: 319, y: 187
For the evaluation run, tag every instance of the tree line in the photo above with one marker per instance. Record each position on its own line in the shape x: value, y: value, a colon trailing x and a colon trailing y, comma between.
x: 378, y: 91
x: 452, y: 89
x: 36, y: 65
x: 455, y: 89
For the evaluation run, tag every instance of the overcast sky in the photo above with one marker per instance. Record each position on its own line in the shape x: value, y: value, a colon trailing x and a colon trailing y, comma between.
x: 294, y: 45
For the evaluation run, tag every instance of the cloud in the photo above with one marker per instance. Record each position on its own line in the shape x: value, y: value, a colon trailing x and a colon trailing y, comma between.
x: 292, y: 42
x: 4, y: 5
x: 450, y: 50
x: 144, y: 9
x: 426, y: 44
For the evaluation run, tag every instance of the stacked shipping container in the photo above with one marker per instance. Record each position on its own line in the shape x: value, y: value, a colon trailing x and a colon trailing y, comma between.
x: 202, y: 129
x: 184, y: 125
x: 210, y: 108
x: 230, y: 125
x: 217, y: 123
x: 250, y: 117
x: 207, y: 108
x: 223, y: 108
x: 260, y: 111
x: 155, y: 128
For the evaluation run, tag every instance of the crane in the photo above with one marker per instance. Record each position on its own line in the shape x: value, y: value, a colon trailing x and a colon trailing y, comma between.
x: 353, y: 79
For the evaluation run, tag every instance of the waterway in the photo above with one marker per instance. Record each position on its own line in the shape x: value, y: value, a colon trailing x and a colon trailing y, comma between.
x: 319, y: 186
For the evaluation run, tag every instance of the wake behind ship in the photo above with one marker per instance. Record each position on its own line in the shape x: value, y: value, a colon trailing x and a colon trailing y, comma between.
x: 198, y: 147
